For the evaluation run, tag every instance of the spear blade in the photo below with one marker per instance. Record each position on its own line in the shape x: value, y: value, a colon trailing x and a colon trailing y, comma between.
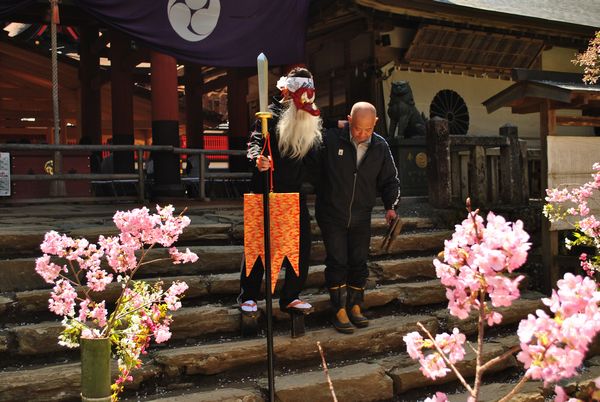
x: 263, y: 82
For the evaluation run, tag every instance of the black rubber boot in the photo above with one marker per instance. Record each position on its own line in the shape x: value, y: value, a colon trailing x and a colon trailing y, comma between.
x: 355, y: 297
x: 340, y: 317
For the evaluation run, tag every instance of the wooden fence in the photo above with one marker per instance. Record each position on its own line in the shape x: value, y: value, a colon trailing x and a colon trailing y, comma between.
x: 489, y: 170
x: 138, y: 179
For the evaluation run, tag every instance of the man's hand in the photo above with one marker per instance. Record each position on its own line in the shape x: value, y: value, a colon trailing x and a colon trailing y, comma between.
x: 390, y: 215
x: 263, y: 163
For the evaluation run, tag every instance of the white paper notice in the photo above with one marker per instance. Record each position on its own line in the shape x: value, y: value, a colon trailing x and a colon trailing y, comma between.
x: 4, y: 174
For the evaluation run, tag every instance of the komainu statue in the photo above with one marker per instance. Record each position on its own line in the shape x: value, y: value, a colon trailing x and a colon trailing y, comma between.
x: 405, y: 119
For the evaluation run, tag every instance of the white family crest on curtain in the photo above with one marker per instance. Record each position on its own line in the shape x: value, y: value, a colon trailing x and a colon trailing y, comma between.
x: 194, y: 20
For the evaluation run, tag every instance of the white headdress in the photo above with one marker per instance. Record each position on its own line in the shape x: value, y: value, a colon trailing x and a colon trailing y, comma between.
x: 294, y: 83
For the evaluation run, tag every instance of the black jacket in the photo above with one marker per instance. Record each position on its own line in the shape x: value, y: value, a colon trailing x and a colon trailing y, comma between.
x: 346, y: 193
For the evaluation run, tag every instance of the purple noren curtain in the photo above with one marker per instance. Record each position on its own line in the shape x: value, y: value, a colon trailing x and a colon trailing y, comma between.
x: 7, y: 7
x: 228, y: 33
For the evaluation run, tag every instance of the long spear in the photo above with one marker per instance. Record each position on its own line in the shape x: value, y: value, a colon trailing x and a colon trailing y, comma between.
x: 265, y: 115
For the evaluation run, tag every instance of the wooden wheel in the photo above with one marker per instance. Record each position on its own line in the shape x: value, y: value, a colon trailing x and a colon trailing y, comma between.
x: 449, y: 105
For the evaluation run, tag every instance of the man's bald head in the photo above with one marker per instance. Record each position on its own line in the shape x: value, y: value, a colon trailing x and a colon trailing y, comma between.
x: 362, y: 119
x: 363, y: 108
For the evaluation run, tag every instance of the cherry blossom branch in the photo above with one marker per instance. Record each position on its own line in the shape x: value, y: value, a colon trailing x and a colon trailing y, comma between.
x: 479, y: 353
x: 516, y: 389
x: 326, y: 371
x: 154, y: 260
x: 498, y: 359
x: 120, y: 299
x: 448, y: 362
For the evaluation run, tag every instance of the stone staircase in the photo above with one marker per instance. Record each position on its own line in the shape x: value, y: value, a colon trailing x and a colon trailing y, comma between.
x: 206, y: 359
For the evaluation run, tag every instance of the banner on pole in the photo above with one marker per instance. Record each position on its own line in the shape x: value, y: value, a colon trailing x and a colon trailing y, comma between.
x: 284, y: 218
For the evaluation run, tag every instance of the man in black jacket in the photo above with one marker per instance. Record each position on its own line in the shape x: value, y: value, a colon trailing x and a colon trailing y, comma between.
x: 357, y: 165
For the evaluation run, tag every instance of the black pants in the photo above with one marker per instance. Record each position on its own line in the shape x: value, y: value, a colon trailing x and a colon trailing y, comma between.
x: 347, y: 251
x: 250, y: 285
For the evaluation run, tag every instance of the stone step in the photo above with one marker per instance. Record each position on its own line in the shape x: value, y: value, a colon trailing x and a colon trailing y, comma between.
x: 520, y: 308
x: 397, y: 374
x: 354, y: 382
x: 406, y: 373
x: 19, y: 274
x: 383, y: 335
x: 403, y: 269
x: 24, y: 237
x: 194, y: 322
x: 362, y: 382
x: 30, y: 301
x: 57, y: 382
x: 533, y: 391
x: 26, y: 240
x: 217, y: 395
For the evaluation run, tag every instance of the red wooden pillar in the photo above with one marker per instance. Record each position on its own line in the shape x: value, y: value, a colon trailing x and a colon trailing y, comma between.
x: 194, y: 124
x: 89, y: 74
x: 237, y: 109
x: 165, y: 125
x: 122, y: 101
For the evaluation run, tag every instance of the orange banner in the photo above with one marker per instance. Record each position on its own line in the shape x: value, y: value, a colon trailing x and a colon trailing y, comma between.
x: 284, y: 216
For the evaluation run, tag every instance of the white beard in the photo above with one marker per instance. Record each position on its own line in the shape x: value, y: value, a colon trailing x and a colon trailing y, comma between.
x: 297, y: 132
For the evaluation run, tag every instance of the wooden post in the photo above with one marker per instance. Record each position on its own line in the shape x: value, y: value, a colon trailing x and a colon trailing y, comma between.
x: 165, y: 125
x: 121, y: 87
x: 549, y: 238
x: 478, y: 176
x: 194, y: 124
x: 438, y: 168
x: 524, y: 171
x: 239, y: 118
x: 202, y: 178
x: 510, y: 169
x: 89, y: 75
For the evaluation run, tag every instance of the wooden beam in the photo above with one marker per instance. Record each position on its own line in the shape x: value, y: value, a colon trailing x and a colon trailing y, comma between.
x: 26, y: 124
x: 579, y: 121
x: 41, y: 105
x: 11, y: 114
x: 214, y: 84
x: 23, y: 131
x: 32, y: 94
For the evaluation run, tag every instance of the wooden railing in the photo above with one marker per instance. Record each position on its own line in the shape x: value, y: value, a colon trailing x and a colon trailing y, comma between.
x: 138, y: 178
x: 489, y: 170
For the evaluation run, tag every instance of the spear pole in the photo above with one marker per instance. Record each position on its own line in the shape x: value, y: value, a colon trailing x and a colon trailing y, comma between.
x: 265, y: 115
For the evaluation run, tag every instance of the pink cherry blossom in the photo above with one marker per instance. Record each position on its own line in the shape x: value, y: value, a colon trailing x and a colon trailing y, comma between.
x: 62, y: 299
x: 48, y: 270
x: 438, y: 397
x: 414, y: 344
x: 99, y: 313
x: 98, y: 279
x: 162, y: 334
x: 182, y: 258
x: 433, y: 366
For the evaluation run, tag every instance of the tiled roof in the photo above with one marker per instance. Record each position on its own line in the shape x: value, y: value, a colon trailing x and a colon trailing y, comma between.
x: 579, y: 12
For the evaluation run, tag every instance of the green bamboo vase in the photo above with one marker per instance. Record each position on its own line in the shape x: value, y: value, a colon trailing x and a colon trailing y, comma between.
x: 95, y: 370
